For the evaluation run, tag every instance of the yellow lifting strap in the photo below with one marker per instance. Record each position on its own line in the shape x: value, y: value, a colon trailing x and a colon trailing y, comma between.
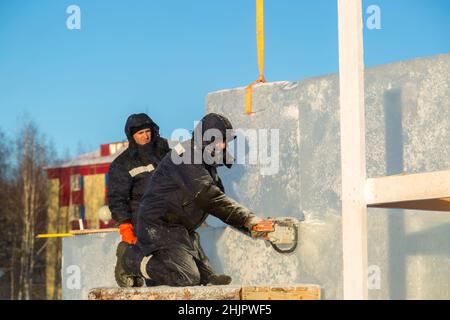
x: 260, y: 48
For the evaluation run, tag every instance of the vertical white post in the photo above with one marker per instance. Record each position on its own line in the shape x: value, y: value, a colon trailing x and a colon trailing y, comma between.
x: 353, y: 156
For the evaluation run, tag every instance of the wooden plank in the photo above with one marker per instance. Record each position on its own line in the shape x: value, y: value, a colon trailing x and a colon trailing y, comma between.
x: 296, y: 292
x: 91, y: 231
x: 442, y: 205
x: 301, y: 292
x: 421, y: 191
x: 167, y: 293
x: 353, y: 157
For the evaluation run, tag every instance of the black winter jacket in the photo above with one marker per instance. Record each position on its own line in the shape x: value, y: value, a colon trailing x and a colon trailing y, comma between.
x: 178, y: 200
x: 131, y: 171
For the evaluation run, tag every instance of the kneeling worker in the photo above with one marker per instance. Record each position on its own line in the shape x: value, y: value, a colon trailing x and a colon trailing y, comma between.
x: 183, y: 191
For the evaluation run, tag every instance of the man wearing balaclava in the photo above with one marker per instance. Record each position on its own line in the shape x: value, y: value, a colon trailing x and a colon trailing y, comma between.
x: 184, y: 190
x: 130, y: 173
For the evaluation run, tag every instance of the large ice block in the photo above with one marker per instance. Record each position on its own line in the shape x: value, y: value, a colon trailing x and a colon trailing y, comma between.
x: 407, y: 130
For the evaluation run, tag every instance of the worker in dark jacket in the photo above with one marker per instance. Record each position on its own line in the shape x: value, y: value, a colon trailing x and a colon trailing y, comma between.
x: 131, y: 171
x: 183, y: 191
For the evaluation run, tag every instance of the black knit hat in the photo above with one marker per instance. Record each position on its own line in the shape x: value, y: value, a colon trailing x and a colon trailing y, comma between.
x: 137, y: 122
x: 133, y: 130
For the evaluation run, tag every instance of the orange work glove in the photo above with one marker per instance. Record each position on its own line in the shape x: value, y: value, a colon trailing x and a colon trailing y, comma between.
x: 126, y: 231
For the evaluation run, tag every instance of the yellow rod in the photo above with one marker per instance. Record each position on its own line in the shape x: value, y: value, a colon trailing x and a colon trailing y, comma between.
x: 54, y: 235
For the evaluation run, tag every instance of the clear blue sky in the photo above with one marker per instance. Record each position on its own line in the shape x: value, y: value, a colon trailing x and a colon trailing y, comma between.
x: 164, y: 56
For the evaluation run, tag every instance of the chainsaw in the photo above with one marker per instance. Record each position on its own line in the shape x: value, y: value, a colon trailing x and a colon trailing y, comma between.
x: 281, y: 233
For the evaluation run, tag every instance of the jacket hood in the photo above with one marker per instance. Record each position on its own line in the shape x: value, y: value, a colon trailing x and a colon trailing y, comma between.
x: 202, y: 140
x: 212, y: 121
x: 140, y: 121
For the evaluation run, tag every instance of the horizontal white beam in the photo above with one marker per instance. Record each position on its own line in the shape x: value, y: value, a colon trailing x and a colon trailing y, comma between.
x: 423, y: 191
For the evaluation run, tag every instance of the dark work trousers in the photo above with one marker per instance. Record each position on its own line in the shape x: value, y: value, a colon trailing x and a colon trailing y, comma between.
x: 176, y: 267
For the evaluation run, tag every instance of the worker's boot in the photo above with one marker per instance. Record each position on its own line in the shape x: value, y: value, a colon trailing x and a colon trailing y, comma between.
x: 125, y: 278
x: 207, y: 274
x: 219, y: 279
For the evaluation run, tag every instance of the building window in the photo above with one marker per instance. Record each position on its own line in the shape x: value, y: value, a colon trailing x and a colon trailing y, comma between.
x: 75, y: 182
x: 77, y: 212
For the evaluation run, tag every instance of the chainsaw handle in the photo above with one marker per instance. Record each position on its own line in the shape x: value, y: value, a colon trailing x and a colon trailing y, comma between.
x: 263, y: 226
x: 291, y: 249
